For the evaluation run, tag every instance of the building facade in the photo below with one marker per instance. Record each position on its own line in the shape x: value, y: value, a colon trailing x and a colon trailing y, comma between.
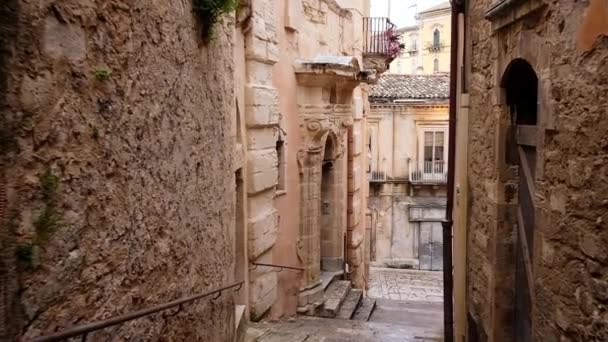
x: 407, y: 145
x: 531, y: 181
x: 427, y: 44
x: 304, y: 66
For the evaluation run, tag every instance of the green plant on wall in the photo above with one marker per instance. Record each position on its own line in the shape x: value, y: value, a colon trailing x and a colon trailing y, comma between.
x: 210, y: 12
x: 102, y: 74
x: 49, y: 184
x: 48, y: 220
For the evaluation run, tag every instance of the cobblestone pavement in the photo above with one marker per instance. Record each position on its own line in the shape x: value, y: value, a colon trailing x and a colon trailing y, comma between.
x: 407, y: 285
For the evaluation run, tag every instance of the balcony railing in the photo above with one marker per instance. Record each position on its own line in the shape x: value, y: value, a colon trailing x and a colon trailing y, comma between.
x: 428, y: 172
x: 381, y: 37
x: 435, y: 47
x: 377, y: 173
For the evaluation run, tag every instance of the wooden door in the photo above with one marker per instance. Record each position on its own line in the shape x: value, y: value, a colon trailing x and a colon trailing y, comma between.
x: 430, y: 246
x: 526, y: 152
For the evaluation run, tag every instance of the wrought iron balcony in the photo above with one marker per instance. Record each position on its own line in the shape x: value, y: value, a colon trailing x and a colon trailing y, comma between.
x: 377, y: 173
x: 381, y: 37
x: 435, y: 46
x: 428, y: 172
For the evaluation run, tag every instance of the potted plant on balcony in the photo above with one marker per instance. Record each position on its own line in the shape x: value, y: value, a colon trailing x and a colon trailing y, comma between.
x: 394, y: 45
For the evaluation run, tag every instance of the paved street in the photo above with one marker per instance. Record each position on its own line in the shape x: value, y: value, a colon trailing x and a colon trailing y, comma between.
x: 410, y: 285
x: 409, y: 308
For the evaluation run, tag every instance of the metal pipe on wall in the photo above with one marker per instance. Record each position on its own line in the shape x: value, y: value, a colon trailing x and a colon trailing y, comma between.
x: 448, y: 276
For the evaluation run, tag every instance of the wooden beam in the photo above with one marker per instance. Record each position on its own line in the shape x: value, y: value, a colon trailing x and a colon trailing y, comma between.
x: 526, y: 135
x: 527, y: 174
x: 523, y: 242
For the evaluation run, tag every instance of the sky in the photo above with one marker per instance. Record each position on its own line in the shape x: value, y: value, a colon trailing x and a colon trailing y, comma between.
x: 403, y: 12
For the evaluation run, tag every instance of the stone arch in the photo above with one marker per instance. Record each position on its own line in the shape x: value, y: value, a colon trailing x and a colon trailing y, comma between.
x: 323, y: 210
x: 517, y: 137
x: 520, y: 83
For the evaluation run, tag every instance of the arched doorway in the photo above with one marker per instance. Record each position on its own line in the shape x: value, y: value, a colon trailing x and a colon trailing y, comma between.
x: 323, y: 182
x: 521, y: 86
x: 331, y: 232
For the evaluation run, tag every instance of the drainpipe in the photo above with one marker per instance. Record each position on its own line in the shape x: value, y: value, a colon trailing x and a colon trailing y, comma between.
x: 448, y: 276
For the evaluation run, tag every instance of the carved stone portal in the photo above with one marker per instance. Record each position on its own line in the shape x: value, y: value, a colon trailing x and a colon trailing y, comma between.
x: 324, y: 121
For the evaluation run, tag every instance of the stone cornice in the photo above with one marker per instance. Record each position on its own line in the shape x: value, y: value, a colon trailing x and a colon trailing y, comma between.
x: 505, y: 12
x: 336, y: 8
x: 324, y: 71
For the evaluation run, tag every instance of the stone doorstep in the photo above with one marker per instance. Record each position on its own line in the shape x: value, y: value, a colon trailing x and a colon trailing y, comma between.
x: 334, y: 297
x: 310, y: 309
x: 350, y: 305
x: 311, y: 295
x: 364, y: 312
x: 328, y: 277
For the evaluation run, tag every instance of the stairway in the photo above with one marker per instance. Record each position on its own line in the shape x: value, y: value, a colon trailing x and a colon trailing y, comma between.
x: 341, y: 301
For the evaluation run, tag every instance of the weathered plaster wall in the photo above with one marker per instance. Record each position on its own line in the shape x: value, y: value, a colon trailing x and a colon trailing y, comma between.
x: 566, y: 44
x: 119, y: 184
x: 395, y: 131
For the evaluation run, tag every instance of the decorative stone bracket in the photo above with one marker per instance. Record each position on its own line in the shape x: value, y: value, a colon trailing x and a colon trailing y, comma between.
x: 505, y: 12
x: 377, y: 63
x: 329, y: 71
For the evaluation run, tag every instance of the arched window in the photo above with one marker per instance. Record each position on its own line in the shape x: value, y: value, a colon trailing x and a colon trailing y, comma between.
x: 436, y: 38
x: 436, y: 65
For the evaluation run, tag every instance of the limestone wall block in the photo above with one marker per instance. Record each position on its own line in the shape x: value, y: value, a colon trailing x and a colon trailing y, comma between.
x: 293, y: 14
x: 261, y: 116
x: 259, y: 73
x: 355, y: 177
x: 354, y: 214
x: 258, y: 28
x: 263, y: 293
x: 262, y: 233
x: 357, y: 142
x: 261, y: 106
x: 260, y: 202
x: 262, y: 138
x: 262, y: 167
x: 261, y: 50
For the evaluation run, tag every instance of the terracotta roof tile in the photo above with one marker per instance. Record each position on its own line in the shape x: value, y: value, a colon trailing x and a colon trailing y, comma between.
x: 394, y: 87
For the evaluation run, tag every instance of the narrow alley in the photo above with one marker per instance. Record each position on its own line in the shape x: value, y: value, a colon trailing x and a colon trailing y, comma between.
x: 304, y: 170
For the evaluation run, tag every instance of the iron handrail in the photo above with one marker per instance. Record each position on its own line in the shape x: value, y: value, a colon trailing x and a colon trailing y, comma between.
x: 84, y: 329
x: 277, y: 266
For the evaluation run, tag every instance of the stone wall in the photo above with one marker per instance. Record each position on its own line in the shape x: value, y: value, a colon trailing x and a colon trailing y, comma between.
x: 566, y: 43
x: 118, y: 162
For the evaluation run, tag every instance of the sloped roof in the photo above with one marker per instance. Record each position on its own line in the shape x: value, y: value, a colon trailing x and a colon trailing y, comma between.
x: 424, y: 87
x: 441, y: 6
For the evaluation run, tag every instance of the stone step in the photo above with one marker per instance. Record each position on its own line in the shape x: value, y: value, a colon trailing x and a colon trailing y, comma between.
x: 334, y: 296
x: 328, y: 277
x: 350, y: 305
x: 365, y: 310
